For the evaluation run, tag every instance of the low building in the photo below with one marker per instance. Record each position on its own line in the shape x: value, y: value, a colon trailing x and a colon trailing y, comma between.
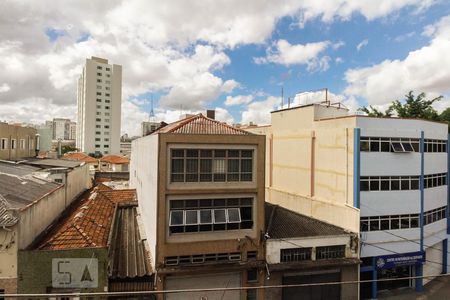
x: 303, y: 250
x: 16, y: 141
x: 34, y: 193
x: 114, y: 163
x: 200, y: 187
x: 83, y: 157
x: 99, y: 235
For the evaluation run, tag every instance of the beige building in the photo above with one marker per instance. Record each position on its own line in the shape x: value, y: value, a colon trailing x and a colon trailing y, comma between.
x: 99, y: 100
x: 200, y: 187
x: 17, y: 141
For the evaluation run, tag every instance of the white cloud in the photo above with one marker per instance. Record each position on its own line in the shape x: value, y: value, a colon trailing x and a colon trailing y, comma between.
x: 338, y: 45
x: 157, y: 53
x: 339, y: 60
x: 259, y: 111
x: 282, y: 52
x: 403, y: 37
x: 238, y: 100
x: 362, y: 44
x: 425, y: 69
x: 224, y: 115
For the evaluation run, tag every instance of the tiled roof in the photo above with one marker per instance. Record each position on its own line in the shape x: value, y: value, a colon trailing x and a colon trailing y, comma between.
x: 87, y: 223
x: 283, y: 223
x: 20, y: 191
x: 129, y: 257
x: 199, y: 124
x: 79, y: 156
x: 115, y: 159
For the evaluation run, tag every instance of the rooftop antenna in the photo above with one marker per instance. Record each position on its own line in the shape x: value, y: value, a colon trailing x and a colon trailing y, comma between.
x: 152, y: 113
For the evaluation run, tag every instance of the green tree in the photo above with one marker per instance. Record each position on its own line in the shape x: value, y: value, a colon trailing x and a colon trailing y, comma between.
x: 374, y: 112
x: 445, y: 117
x: 416, y: 107
x: 65, y: 149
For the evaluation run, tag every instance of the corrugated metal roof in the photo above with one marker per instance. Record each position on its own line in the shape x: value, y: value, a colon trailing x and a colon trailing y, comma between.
x: 8, y: 217
x: 129, y: 257
x: 199, y: 124
x: 16, y: 169
x: 284, y: 223
x: 20, y: 191
x: 50, y: 162
x: 88, y: 223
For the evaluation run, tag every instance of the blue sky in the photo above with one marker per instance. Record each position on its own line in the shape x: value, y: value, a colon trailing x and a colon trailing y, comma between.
x: 229, y: 55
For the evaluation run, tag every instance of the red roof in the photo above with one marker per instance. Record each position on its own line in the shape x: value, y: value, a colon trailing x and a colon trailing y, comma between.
x: 79, y: 156
x: 199, y: 124
x: 88, y: 223
x: 115, y: 159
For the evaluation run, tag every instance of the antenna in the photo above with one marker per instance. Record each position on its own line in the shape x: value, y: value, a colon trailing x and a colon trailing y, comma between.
x: 152, y: 113
x: 282, y: 97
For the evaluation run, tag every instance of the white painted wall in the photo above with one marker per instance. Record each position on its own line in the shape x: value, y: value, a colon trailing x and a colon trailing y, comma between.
x: 8, y: 252
x: 390, y: 203
x: 144, y: 178
x: 78, y: 180
x: 433, y: 265
x: 390, y: 164
x: 435, y: 163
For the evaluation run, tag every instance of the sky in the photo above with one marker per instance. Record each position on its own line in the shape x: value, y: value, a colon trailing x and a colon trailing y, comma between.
x: 229, y: 55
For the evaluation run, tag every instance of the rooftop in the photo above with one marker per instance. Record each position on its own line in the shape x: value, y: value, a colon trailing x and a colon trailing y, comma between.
x: 199, y: 124
x: 129, y: 256
x: 283, y: 223
x: 87, y: 223
x: 21, y: 191
x: 14, y: 168
x: 8, y: 217
x: 115, y: 159
x: 79, y: 156
x: 50, y: 163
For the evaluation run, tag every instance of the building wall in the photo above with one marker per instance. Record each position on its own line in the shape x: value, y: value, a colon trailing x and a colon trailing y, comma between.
x: 35, y: 268
x: 17, y: 133
x: 8, y: 259
x: 144, y: 178
x: 433, y: 265
x: 37, y: 216
x: 89, y: 110
x: 309, y: 165
x: 78, y: 180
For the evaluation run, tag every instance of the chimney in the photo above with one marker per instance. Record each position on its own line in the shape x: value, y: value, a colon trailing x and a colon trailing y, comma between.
x: 211, y: 113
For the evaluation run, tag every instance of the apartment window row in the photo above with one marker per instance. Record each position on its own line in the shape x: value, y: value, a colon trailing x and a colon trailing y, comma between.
x: 388, y: 183
x: 295, y: 254
x: 434, y: 180
x: 385, y: 144
x: 205, y: 215
x: 204, y: 165
x: 393, y: 222
x: 7, y: 144
x: 202, y: 258
x: 100, y: 100
x: 397, y: 183
x: 330, y: 252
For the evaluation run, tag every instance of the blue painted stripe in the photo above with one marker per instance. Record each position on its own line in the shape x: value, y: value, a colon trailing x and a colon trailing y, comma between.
x: 419, y: 281
x: 422, y: 185
x: 356, y: 166
x: 444, y: 256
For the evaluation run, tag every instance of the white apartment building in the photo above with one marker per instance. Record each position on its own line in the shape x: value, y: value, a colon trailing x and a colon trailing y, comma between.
x: 73, y: 131
x: 99, y: 99
x: 389, y: 173
x: 61, y: 129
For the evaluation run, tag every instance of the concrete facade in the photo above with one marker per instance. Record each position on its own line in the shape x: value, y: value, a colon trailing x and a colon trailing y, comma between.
x: 150, y: 174
x: 99, y: 100
x: 17, y: 142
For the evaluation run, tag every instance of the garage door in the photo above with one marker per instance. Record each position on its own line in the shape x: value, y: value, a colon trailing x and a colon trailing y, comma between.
x: 323, y: 292
x: 204, y: 282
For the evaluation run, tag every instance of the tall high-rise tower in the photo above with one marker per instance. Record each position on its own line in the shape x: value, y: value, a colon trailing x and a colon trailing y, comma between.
x: 99, y: 99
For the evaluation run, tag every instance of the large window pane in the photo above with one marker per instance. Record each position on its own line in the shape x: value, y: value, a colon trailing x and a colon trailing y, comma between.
x: 191, y: 217
x: 205, y: 216
x: 246, y: 165
x: 234, y: 215
x: 177, y: 165
x: 176, y: 218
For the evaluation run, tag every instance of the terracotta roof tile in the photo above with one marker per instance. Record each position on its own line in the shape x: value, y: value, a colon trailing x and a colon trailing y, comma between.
x: 199, y: 124
x: 88, y: 222
x: 115, y: 159
x: 79, y: 156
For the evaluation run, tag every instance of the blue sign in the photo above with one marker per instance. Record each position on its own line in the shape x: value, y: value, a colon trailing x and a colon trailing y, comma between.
x: 403, y: 259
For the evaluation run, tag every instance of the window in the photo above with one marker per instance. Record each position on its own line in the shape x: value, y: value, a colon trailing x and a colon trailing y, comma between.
x: 99, y: 100
x: 202, y: 215
x: 106, y: 107
x: 97, y: 146
x: 106, y: 139
x: 295, y: 254
x: 106, y: 126
x: 394, y: 222
x: 435, y: 145
x: 330, y: 252
x: 99, y: 93
x: 97, y: 139
x: 99, y: 74
x: 98, y: 120
x: 252, y: 275
x: 106, y: 133
x: 106, y: 146
x: 107, y: 120
x: 107, y: 101
x: 107, y: 88
x: 99, y: 80
x: 385, y: 144
x: 108, y: 82
x: 4, y: 144
x: 13, y: 144
x: 99, y: 106
x: 99, y: 87
x: 98, y: 126
x: 206, y: 165
x: 107, y: 75
x: 108, y: 69
x: 388, y: 183
x: 434, y: 180
x: 202, y: 258
x: 99, y: 67
x: 98, y: 113
x: 107, y: 114
x: 98, y: 132
x: 107, y: 95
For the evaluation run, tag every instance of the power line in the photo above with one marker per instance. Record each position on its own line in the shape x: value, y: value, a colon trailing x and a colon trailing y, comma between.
x: 266, y: 287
